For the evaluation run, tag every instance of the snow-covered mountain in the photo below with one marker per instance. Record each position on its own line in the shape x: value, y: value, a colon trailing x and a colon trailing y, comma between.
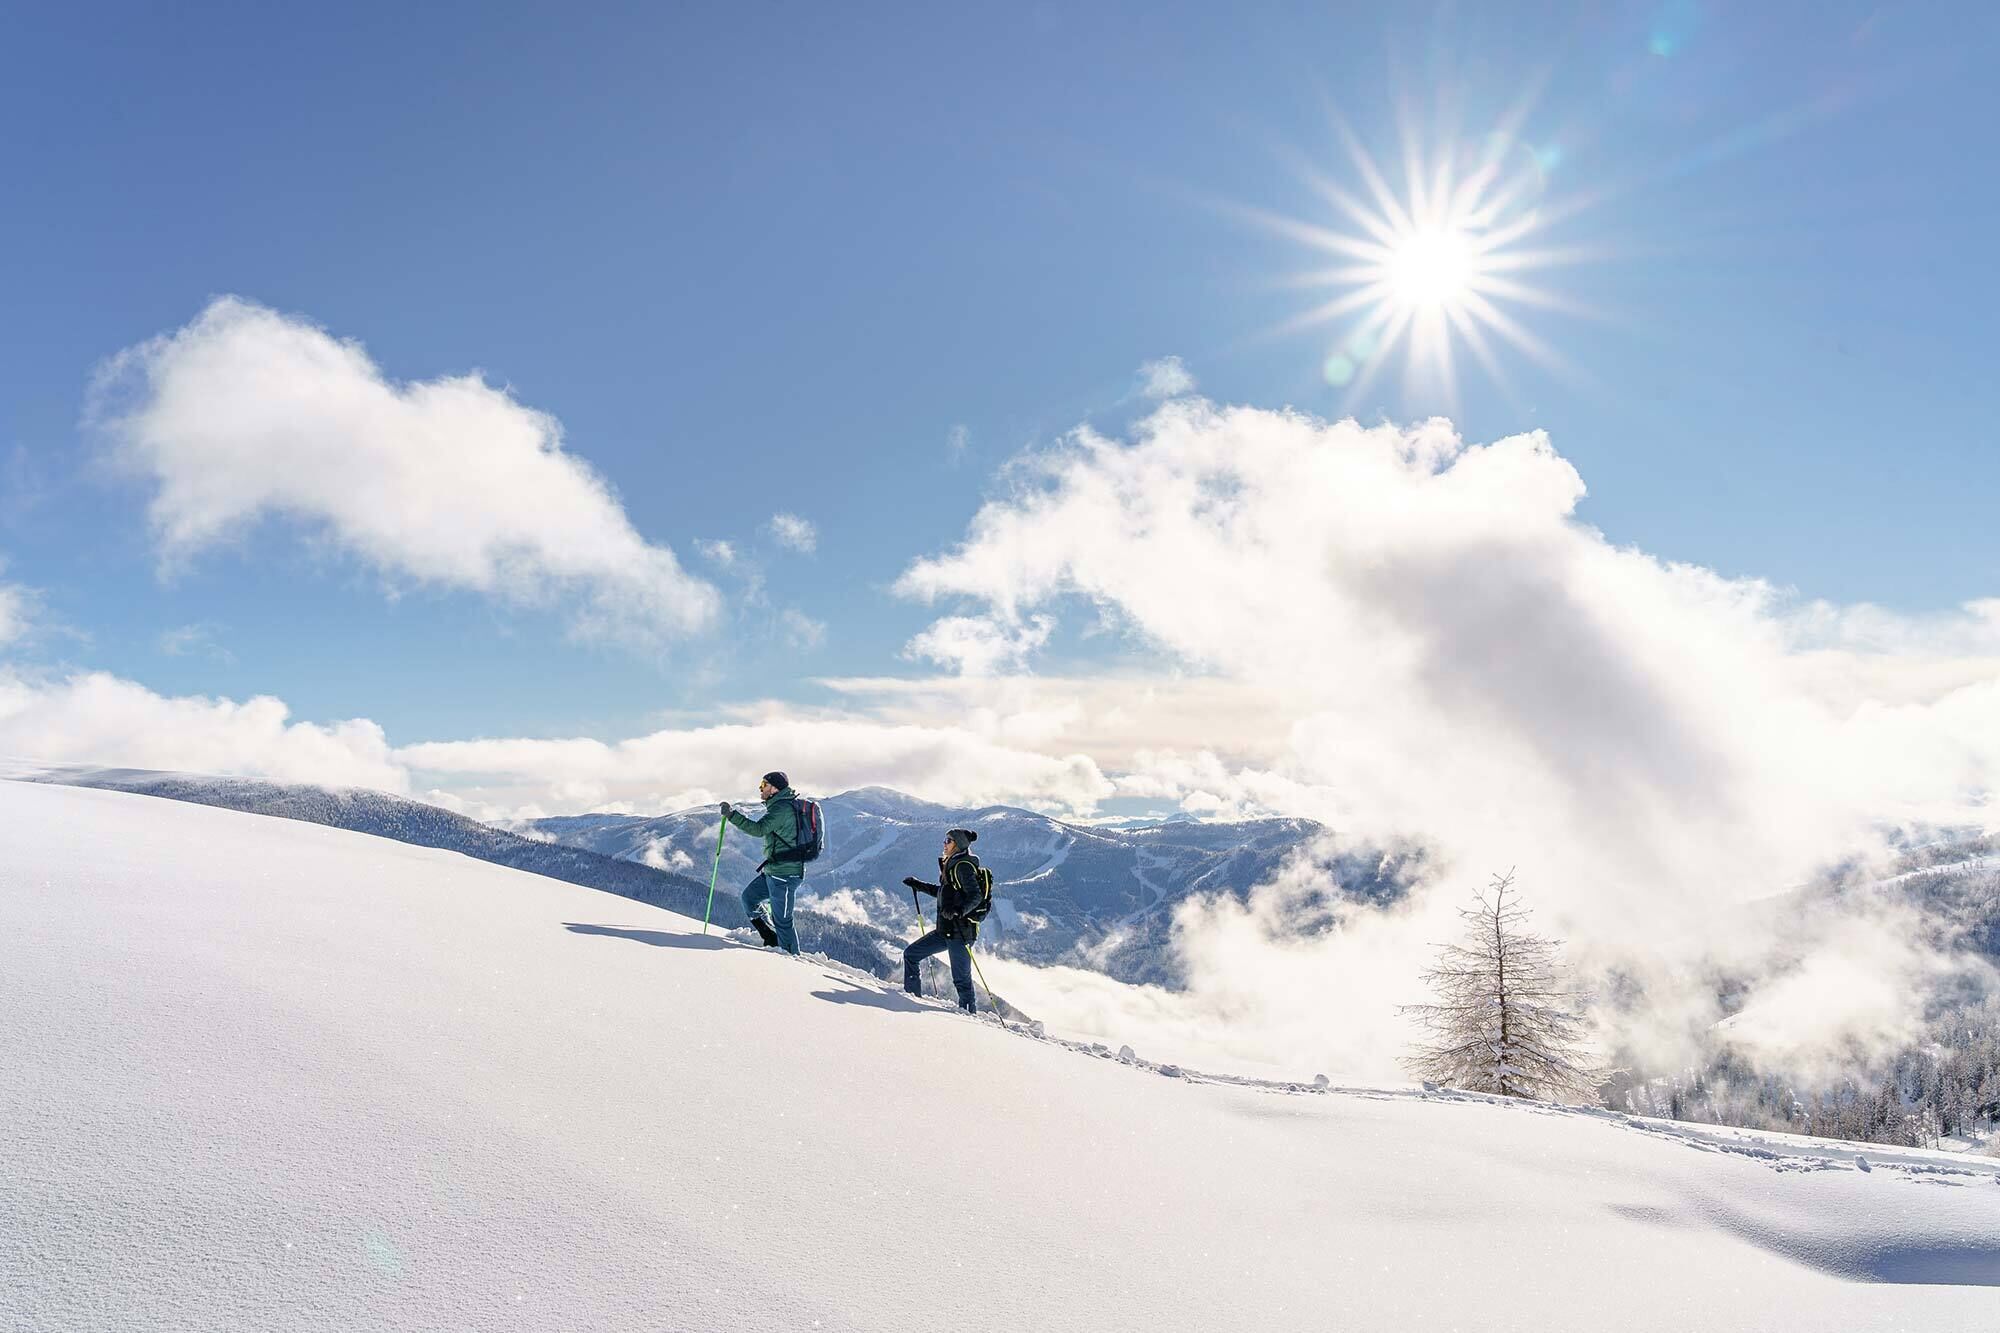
x: 265, y: 1074
x: 1956, y: 883
x: 360, y: 810
x: 1097, y: 896
x: 1952, y: 881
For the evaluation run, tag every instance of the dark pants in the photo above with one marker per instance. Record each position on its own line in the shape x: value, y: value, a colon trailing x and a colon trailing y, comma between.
x: 961, y: 965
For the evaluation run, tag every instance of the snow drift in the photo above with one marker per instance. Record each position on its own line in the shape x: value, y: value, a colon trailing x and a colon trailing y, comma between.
x: 262, y: 1074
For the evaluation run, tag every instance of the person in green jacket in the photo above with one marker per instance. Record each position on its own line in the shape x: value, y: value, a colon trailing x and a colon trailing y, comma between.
x: 768, y: 899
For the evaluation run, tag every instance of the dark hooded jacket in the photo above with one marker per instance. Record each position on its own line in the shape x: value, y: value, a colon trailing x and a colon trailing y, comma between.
x: 957, y: 892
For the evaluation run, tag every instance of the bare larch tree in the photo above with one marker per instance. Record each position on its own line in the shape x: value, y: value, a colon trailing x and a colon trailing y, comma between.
x: 1505, y: 1020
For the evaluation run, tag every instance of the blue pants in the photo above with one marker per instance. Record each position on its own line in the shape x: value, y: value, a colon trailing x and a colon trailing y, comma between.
x: 961, y: 965
x: 778, y: 892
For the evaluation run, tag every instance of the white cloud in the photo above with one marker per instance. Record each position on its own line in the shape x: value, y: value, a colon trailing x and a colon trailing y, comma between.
x: 843, y: 905
x: 1261, y: 996
x: 1130, y: 721
x: 97, y: 719
x: 717, y: 552
x: 797, y: 533
x: 248, y: 414
x: 980, y: 645
x: 956, y: 441
x: 1167, y: 377
x: 1852, y: 988
x: 661, y: 854
x: 802, y: 631
x: 1457, y: 658
x: 953, y: 764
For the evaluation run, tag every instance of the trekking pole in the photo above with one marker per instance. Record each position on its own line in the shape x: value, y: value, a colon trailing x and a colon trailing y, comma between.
x: 715, y: 870
x: 921, y: 927
x: 990, y: 1004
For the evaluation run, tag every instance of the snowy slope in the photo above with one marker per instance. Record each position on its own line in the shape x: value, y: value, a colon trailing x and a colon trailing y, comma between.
x: 363, y: 811
x: 263, y: 1074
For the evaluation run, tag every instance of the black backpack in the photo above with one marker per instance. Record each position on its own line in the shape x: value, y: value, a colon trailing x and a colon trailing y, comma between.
x: 808, y: 833
x: 979, y: 910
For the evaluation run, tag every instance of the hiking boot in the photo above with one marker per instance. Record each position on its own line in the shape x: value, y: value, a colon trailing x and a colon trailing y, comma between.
x: 764, y: 931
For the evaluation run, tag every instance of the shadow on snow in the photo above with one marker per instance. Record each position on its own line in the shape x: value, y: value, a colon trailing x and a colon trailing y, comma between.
x: 659, y: 939
x: 895, y: 1002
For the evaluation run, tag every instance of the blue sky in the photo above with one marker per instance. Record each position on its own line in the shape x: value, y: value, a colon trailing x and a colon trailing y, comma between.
x: 770, y: 260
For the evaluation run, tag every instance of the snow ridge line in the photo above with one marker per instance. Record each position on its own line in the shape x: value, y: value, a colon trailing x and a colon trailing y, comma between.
x: 1780, y: 1152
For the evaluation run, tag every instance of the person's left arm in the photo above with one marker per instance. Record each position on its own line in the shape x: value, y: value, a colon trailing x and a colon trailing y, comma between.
x: 757, y: 827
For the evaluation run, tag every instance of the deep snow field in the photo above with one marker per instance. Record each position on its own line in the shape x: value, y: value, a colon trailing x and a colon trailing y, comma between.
x: 258, y: 1074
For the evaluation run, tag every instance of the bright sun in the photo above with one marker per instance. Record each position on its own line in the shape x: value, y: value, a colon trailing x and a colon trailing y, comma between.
x: 1424, y: 269
x: 1432, y: 269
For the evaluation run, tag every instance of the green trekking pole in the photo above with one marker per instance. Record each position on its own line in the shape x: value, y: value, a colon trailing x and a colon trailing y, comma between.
x: 715, y: 870
x: 918, y: 904
x: 989, y: 990
x: 921, y: 927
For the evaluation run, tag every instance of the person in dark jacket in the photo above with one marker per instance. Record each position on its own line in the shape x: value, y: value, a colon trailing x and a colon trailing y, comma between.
x: 957, y: 893
x: 777, y: 883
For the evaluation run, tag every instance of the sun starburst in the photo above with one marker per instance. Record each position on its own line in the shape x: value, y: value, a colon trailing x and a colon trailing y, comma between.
x: 1430, y: 266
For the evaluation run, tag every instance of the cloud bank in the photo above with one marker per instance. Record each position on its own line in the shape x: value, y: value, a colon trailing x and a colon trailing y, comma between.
x: 247, y: 414
x: 676, y: 768
x: 1460, y: 659
x: 100, y: 719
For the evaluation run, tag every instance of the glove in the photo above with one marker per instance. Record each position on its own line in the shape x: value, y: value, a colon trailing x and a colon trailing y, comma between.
x: 726, y: 808
x: 912, y: 882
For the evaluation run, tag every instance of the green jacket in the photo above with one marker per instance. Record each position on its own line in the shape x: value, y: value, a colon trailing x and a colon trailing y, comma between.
x: 778, y: 827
